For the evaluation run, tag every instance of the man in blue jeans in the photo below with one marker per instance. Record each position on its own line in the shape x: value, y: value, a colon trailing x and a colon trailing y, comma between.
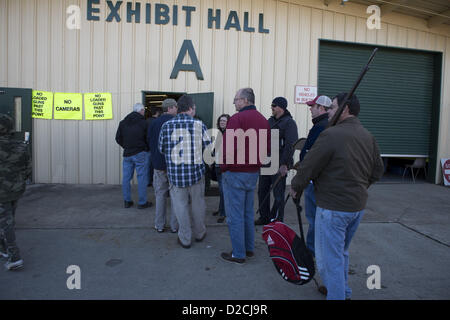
x: 132, y: 137
x: 240, y: 171
x: 318, y: 108
x: 343, y: 162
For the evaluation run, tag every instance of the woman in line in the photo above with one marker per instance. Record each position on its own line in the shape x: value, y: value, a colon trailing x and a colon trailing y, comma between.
x: 221, y: 125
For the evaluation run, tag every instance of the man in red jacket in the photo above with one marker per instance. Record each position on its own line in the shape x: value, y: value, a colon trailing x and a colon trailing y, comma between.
x: 240, y: 170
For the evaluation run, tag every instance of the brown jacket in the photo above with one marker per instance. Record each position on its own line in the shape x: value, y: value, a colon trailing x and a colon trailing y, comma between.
x: 343, y: 162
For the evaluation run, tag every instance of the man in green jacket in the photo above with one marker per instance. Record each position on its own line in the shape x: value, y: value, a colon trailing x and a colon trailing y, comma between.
x: 343, y: 162
x: 14, y: 171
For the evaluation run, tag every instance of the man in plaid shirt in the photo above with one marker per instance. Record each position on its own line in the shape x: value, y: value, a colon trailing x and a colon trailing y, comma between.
x: 182, y: 141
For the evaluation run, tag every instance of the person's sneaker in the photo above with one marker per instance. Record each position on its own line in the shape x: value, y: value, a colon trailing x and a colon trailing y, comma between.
x: 201, y: 239
x: 260, y: 222
x: 3, y: 249
x: 160, y: 230
x: 220, y: 219
x: 14, y: 265
x: 145, y: 205
x: 249, y: 254
x: 128, y: 204
x: 3, y: 254
x: 184, y: 246
x: 229, y: 257
x: 174, y: 230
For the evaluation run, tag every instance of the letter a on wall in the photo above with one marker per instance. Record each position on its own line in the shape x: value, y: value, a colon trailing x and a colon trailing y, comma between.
x: 188, y: 48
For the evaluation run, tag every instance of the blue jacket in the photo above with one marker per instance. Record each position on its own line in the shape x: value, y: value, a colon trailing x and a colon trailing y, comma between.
x: 320, y: 124
x: 157, y: 158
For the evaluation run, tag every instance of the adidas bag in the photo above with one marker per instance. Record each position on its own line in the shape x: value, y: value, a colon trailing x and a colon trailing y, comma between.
x: 288, y: 252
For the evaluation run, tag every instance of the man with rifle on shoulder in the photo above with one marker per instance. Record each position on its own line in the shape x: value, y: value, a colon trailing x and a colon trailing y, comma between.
x: 343, y: 162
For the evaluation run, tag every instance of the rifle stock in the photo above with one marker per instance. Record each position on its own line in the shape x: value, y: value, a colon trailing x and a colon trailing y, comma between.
x: 341, y: 107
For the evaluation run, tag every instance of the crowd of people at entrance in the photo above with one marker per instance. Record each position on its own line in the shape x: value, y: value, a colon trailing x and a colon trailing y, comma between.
x: 169, y: 150
x: 335, y: 168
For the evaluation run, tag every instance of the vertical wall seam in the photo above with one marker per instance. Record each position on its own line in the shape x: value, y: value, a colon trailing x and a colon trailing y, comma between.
x: 238, y: 48
x: 64, y: 89
x: 7, y: 41
x: 105, y: 73
x: 263, y: 54
x: 49, y: 82
x: 286, y: 51
x: 274, y: 45
x: 20, y: 82
x: 35, y: 44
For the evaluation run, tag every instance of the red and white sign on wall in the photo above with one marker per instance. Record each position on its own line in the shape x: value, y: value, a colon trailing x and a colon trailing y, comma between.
x: 304, y: 93
x: 446, y: 171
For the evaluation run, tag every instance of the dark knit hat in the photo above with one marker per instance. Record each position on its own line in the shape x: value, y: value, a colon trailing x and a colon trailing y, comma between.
x: 280, y: 102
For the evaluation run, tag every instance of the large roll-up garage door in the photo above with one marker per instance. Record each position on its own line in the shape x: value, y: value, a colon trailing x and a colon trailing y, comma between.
x: 397, y: 95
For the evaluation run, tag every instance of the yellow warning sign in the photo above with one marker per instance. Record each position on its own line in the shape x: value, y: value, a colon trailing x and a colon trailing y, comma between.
x: 68, y: 106
x: 41, y: 104
x: 97, y: 106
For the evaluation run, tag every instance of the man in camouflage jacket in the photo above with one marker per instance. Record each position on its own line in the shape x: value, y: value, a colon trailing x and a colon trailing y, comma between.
x: 15, y: 168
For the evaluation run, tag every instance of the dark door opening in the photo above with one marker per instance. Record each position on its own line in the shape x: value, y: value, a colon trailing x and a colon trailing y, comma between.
x: 204, y: 102
x: 16, y: 103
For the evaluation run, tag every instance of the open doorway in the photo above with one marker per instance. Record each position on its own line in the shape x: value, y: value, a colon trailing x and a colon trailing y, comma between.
x: 152, y: 101
x: 204, y: 102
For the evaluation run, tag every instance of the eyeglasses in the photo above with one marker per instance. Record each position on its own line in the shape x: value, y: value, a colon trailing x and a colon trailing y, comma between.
x: 236, y: 99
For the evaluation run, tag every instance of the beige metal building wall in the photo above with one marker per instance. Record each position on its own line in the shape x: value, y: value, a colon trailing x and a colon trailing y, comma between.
x: 38, y: 51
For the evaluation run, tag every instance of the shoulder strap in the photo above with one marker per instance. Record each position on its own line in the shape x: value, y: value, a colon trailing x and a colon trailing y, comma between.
x: 299, y: 216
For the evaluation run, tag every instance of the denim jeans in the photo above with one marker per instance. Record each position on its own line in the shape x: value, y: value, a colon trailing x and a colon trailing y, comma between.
x: 265, y: 182
x: 239, y: 191
x: 140, y: 163
x: 151, y: 170
x: 334, y: 232
x: 310, y: 213
x: 219, y: 181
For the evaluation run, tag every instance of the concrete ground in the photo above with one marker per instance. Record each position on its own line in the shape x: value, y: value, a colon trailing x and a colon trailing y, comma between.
x: 405, y: 232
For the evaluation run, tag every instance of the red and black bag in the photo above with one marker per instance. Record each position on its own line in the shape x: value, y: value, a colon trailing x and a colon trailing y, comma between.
x: 289, y: 253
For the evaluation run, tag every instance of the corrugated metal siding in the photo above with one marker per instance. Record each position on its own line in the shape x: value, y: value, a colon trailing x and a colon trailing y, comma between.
x: 38, y: 51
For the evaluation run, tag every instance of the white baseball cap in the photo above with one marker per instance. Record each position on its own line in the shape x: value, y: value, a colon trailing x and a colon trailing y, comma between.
x: 322, y: 100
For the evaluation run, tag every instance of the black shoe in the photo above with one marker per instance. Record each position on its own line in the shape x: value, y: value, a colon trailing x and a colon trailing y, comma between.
x: 260, y: 222
x: 229, y: 257
x: 249, y: 254
x: 201, y: 239
x: 215, y: 213
x: 323, y: 290
x: 181, y: 244
x: 220, y: 219
x: 145, y: 205
x: 128, y: 204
